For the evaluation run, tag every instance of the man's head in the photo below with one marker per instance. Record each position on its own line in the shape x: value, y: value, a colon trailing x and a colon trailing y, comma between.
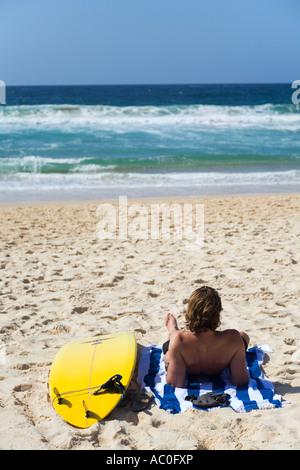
x: 203, y: 310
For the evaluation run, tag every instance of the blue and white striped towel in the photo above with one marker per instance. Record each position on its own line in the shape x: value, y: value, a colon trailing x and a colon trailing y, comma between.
x: 257, y: 395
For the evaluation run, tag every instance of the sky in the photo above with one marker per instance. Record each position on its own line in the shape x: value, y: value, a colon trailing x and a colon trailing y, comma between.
x: 110, y: 42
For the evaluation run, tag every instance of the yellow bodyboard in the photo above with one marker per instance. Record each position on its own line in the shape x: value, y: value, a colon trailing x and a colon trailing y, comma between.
x: 79, y: 370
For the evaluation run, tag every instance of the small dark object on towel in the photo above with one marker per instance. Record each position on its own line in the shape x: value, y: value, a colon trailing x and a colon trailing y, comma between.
x: 209, y: 400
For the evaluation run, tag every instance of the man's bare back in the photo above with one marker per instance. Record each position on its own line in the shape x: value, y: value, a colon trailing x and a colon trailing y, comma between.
x: 208, y: 352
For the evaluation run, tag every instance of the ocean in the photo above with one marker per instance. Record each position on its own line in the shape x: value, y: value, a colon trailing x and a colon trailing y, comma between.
x: 95, y: 142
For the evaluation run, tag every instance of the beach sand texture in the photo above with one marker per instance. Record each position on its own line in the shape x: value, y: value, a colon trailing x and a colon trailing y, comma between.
x: 59, y: 282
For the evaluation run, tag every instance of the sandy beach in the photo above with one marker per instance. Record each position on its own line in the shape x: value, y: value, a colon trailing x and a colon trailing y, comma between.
x: 60, y: 282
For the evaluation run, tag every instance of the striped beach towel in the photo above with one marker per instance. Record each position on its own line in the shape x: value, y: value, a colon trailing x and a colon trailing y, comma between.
x: 258, y: 394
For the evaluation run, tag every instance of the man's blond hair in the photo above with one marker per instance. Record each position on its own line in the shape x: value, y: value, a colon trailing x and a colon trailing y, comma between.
x: 203, y: 310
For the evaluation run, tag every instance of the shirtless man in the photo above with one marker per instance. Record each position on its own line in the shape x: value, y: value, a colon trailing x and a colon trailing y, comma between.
x: 202, y: 349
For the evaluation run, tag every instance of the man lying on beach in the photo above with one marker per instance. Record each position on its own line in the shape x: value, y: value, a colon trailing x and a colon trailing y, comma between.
x: 202, y: 349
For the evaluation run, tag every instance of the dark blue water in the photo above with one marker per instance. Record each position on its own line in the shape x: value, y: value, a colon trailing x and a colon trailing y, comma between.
x: 90, y: 142
x: 151, y: 95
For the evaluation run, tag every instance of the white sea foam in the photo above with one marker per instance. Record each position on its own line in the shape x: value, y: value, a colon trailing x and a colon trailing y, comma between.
x: 35, y: 163
x: 91, y: 168
x: 71, y: 186
x: 41, y: 181
x: 149, y: 118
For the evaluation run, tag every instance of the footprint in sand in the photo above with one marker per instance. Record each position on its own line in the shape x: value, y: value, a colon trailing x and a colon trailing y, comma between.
x: 79, y: 309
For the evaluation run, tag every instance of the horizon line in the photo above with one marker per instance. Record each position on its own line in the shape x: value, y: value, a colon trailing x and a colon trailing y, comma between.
x: 152, y: 84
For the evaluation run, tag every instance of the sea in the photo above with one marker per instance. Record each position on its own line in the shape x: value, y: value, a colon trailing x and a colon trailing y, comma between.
x: 102, y: 142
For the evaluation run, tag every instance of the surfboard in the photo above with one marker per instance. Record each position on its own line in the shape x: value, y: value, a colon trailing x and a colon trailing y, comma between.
x: 89, y: 377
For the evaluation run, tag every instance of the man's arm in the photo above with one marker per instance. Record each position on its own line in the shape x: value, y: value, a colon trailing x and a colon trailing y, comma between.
x: 238, y: 370
x: 177, y: 368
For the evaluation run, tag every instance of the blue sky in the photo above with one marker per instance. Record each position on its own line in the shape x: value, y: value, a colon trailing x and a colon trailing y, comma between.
x: 52, y: 42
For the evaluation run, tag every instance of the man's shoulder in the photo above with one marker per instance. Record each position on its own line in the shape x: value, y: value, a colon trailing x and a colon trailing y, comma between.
x: 233, y: 339
x: 231, y: 334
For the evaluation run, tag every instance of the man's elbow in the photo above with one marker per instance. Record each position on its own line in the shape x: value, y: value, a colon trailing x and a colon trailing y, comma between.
x: 170, y: 381
x: 240, y: 381
x: 175, y: 382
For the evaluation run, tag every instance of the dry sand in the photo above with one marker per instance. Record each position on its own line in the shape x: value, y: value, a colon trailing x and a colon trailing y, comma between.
x: 59, y: 282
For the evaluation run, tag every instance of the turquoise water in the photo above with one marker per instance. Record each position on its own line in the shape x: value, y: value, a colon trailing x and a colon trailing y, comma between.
x: 61, y: 143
